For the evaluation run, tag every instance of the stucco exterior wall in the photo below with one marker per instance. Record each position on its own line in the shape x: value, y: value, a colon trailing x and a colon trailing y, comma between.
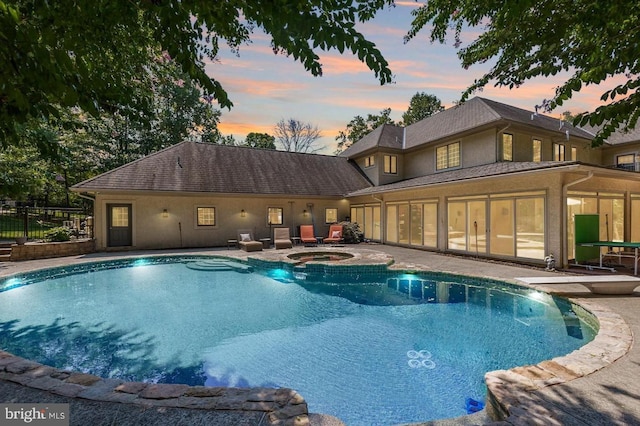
x: 609, y: 154
x: 150, y: 229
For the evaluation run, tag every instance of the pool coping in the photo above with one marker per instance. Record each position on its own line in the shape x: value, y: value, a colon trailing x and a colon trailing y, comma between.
x: 509, y: 392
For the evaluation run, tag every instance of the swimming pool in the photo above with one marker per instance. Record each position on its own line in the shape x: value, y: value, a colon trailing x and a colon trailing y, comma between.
x: 387, y: 349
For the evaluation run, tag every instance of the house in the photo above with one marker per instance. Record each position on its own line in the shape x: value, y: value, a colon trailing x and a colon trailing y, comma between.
x: 482, y: 178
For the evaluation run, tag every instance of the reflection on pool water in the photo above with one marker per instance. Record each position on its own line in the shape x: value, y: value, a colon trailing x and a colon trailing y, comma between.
x: 376, y: 350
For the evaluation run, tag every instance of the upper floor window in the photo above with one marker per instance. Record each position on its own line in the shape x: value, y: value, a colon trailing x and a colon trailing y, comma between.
x: 391, y: 164
x: 274, y: 216
x: 574, y: 153
x: 448, y: 156
x: 558, y: 152
x: 330, y: 215
x: 626, y: 161
x: 507, y: 147
x: 206, y: 216
x: 370, y: 161
x: 537, y: 150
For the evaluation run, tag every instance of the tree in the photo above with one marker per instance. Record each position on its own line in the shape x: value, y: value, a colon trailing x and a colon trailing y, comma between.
x: 91, y: 54
x: 260, y: 140
x: 421, y: 106
x: 590, y: 40
x: 296, y: 136
x: 359, y: 127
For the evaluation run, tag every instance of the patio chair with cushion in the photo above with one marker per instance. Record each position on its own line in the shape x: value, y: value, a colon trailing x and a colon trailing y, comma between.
x: 246, y: 241
x: 307, y: 236
x: 335, y: 234
x: 281, y: 238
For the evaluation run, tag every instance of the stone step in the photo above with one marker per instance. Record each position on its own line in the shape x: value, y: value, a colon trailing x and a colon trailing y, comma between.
x: 5, y: 257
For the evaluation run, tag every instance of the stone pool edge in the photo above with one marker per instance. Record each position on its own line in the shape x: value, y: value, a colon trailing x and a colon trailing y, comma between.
x: 280, y: 406
x: 510, y: 393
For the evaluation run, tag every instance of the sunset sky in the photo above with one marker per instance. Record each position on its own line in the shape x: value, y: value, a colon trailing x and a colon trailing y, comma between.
x: 266, y: 88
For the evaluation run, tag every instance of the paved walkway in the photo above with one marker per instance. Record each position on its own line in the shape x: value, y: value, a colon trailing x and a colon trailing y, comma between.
x: 609, y: 396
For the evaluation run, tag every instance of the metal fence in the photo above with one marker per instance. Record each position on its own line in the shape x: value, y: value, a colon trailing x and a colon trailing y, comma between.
x: 34, y: 222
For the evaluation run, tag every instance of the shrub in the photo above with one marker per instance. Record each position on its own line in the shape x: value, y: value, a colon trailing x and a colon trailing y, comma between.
x: 58, y: 234
x: 351, y: 233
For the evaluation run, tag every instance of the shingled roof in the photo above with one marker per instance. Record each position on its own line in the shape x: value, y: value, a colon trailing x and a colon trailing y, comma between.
x: 472, y: 114
x: 460, y: 175
x: 210, y: 168
x: 383, y: 136
x: 478, y: 112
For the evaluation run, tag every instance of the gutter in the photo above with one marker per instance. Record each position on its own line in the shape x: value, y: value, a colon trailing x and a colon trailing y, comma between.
x: 565, y: 220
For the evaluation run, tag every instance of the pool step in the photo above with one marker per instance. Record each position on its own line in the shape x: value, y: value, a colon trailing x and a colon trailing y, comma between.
x: 219, y: 265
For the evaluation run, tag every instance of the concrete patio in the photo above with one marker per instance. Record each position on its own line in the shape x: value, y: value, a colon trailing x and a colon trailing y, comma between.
x: 608, y: 396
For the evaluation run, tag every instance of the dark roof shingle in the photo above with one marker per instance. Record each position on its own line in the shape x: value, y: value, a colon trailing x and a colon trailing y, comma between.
x: 210, y: 168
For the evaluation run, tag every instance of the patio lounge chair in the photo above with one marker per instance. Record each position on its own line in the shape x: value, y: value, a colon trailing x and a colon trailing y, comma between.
x: 281, y: 238
x: 335, y: 234
x: 246, y: 241
x: 307, y: 236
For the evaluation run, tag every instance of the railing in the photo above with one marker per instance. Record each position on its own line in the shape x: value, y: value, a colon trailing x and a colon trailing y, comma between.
x: 34, y: 222
x: 633, y: 167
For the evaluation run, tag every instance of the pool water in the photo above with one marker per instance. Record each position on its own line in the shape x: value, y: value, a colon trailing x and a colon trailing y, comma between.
x: 394, y: 349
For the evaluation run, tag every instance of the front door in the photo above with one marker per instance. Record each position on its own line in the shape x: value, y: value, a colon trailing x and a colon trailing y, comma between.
x: 119, y: 225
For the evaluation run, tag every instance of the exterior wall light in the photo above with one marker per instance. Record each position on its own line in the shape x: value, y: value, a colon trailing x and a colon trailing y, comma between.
x: 304, y: 212
x: 243, y: 213
x: 165, y: 213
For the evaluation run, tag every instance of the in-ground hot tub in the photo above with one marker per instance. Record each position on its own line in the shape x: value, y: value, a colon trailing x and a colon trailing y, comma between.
x: 324, y: 256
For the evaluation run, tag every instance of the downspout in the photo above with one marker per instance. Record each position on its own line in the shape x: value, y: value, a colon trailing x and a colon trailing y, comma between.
x: 565, y: 220
x: 382, y: 218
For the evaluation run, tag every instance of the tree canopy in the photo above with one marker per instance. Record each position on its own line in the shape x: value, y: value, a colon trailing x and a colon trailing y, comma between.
x: 359, y: 127
x: 422, y: 105
x: 296, y: 136
x: 94, y: 54
x: 260, y: 140
x: 591, y: 41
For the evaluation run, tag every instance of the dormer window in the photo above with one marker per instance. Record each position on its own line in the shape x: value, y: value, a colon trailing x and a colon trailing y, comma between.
x: 391, y: 164
x: 370, y: 161
x: 448, y: 156
x: 537, y: 150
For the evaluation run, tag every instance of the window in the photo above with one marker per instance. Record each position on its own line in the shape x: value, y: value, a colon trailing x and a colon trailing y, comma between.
x: 391, y: 164
x: 507, y: 147
x: 274, y: 216
x: 558, y: 152
x: 626, y: 161
x: 330, y: 215
x: 537, y: 150
x: 206, y: 216
x: 119, y: 216
x: 574, y: 153
x: 370, y: 161
x: 448, y: 156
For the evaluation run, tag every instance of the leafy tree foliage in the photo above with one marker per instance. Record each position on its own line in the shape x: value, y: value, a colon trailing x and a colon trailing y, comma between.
x: 296, y: 136
x: 359, y: 127
x: 422, y: 105
x: 260, y: 140
x: 591, y: 40
x: 94, y: 54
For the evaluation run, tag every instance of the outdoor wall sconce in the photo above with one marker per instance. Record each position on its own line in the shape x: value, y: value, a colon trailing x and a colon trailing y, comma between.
x: 243, y: 213
x: 304, y: 212
x: 165, y: 213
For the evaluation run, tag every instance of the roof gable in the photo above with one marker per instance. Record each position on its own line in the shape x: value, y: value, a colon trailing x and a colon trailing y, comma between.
x: 383, y: 136
x: 211, y: 168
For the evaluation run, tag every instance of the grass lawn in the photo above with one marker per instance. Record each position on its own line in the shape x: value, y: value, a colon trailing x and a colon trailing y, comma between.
x: 12, y: 227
